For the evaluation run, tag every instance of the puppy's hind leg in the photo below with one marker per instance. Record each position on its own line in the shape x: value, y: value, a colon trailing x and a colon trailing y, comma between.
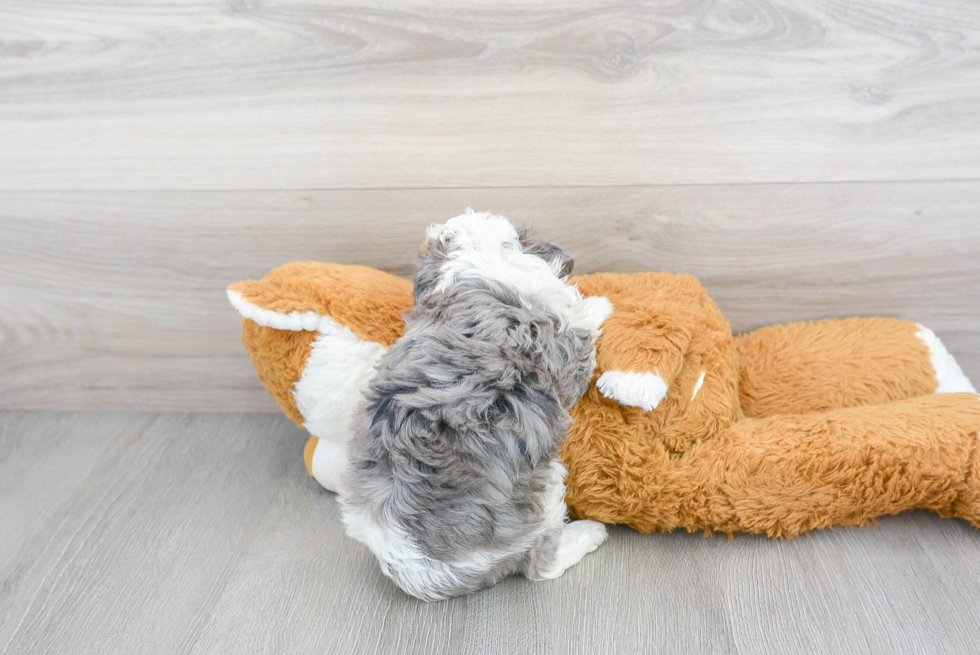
x: 575, y: 540
x: 563, y: 544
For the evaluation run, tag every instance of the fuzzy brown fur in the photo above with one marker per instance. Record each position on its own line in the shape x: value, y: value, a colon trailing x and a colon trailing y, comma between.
x: 794, y: 369
x: 795, y: 427
x: 368, y: 301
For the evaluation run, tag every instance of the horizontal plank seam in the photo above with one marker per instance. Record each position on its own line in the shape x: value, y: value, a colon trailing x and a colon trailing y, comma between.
x: 482, y: 188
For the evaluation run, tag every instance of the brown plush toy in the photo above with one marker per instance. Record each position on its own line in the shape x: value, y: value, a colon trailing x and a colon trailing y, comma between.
x: 779, y: 431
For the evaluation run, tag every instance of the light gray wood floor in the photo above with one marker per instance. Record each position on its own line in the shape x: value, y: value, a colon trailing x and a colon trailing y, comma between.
x: 201, y: 533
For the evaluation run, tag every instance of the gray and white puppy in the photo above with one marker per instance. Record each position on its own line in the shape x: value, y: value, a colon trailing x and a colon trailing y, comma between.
x: 454, y: 479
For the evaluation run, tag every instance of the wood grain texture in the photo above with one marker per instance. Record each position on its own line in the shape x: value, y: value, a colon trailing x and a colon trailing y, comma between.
x: 129, y: 554
x: 116, y: 299
x: 203, y: 534
x: 293, y: 95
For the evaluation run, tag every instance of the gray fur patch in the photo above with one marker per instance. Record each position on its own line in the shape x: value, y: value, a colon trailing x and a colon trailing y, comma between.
x: 468, y: 409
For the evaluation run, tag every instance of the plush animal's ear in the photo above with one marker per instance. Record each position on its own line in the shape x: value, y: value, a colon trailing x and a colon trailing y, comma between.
x: 531, y: 243
x: 270, y: 306
x: 303, y: 295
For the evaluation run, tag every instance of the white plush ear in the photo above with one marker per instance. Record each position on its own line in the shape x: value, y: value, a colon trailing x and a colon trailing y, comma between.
x: 295, y: 321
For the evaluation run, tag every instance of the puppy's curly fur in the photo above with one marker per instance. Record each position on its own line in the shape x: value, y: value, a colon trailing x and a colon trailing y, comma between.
x: 454, y: 480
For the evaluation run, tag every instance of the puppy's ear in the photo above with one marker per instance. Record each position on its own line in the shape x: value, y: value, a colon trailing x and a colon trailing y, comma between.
x: 432, y: 253
x: 561, y: 262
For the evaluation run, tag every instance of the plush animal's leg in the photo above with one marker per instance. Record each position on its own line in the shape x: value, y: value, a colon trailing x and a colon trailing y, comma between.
x: 785, y: 475
x: 967, y: 504
x: 326, y: 461
x: 308, y: 451
x: 832, y: 364
x: 280, y: 357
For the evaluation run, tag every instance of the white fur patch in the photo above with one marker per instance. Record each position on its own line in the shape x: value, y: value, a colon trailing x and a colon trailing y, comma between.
x: 697, y: 386
x: 643, y: 390
x: 329, y: 463
x: 339, y: 368
x: 949, y: 376
x: 556, y: 512
x: 578, y: 538
x: 399, y: 556
x: 486, y: 245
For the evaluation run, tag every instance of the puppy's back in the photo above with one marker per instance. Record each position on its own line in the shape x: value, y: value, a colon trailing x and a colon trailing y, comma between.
x: 451, y: 480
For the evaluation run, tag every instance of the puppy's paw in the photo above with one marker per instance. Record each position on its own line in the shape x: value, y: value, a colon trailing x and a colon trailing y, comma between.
x: 593, y: 313
x: 578, y: 539
x: 582, y: 537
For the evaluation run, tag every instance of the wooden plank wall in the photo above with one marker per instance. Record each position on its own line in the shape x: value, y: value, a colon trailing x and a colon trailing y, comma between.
x: 804, y: 158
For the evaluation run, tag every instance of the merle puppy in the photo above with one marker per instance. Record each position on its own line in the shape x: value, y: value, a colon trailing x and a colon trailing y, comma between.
x: 454, y: 480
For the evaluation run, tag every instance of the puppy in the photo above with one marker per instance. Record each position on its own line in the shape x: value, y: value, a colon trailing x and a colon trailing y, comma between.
x: 454, y: 479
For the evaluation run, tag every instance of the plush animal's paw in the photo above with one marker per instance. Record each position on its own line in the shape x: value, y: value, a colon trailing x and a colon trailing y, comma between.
x: 578, y: 539
x: 581, y: 537
x: 643, y: 390
x: 326, y: 461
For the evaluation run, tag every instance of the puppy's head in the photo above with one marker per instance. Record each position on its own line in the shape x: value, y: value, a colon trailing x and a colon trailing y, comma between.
x: 480, y: 244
